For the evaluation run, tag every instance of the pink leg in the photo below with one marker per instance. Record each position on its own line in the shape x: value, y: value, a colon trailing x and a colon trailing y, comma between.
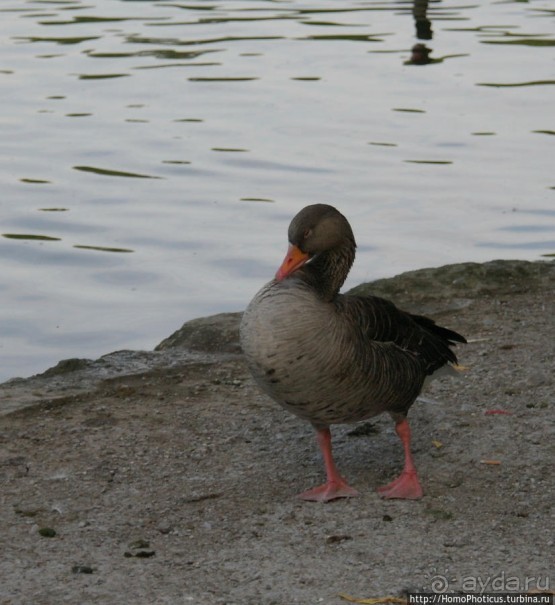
x: 406, y: 485
x: 335, y: 486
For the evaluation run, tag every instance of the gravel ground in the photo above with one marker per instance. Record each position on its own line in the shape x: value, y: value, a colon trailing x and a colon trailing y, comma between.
x: 166, y: 477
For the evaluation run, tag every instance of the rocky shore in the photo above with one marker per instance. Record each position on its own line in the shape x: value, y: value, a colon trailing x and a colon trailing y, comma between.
x: 166, y: 477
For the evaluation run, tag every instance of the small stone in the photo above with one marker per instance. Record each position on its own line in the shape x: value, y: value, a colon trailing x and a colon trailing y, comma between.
x: 164, y: 527
x: 439, y: 514
x: 139, y: 549
x: 87, y: 569
x: 47, y: 532
x: 335, y: 538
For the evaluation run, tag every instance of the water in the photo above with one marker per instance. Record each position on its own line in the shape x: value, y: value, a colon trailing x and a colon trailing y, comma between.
x: 153, y: 153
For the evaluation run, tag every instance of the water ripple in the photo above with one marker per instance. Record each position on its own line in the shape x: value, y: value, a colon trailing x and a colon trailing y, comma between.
x: 117, y: 173
x: 517, y: 84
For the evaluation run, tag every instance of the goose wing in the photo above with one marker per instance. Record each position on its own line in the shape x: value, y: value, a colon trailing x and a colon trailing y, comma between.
x: 379, y: 320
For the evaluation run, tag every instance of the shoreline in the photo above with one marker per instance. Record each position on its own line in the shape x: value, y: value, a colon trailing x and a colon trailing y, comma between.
x: 433, y: 291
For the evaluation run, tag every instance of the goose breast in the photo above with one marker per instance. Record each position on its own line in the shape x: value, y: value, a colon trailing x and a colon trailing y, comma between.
x: 314, y: 359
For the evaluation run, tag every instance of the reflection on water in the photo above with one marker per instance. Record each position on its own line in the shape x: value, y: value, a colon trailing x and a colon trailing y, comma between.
x: 420, y: 52
x: 421, y: 21
x: 153, y: 153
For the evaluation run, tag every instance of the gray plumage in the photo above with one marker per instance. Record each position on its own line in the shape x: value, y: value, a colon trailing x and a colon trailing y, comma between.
x: 332, y: 358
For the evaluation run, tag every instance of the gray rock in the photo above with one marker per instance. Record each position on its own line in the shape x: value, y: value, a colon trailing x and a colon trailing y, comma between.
x: 461, y: 283
x: 214, y: 334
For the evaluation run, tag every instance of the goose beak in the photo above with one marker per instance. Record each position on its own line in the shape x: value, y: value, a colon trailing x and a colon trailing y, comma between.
x: 294, y: 259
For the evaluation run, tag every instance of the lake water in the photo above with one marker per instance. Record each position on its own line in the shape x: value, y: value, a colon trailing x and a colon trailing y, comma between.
x: 153, y: 153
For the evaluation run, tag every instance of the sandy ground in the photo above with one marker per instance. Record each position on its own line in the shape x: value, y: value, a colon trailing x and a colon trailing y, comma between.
x: 168, y: 478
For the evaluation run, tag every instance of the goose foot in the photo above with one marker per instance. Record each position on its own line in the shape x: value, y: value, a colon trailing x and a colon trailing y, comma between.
x: 335, y: 486
x: 405, y: 486
x: 329, y: 491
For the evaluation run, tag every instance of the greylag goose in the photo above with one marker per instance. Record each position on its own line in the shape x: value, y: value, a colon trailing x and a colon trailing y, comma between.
x: 332, y: 358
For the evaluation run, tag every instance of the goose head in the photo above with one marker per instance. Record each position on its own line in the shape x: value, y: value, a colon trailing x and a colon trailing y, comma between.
x: 321, y: 242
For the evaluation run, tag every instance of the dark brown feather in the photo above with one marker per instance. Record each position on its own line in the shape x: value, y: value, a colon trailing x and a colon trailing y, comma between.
x: 380, y: 320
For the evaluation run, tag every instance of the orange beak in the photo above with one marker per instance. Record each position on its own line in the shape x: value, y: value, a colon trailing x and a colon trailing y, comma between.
x: 294, y: 259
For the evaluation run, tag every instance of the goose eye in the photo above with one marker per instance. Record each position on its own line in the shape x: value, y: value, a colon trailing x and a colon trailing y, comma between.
x: 307, y: 233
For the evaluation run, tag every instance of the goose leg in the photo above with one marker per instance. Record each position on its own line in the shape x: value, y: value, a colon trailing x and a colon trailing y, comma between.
x: 406, y: 485
x: 335, y: 486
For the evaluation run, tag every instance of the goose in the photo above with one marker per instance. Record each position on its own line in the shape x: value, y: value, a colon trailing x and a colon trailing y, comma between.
x: 332, y: 358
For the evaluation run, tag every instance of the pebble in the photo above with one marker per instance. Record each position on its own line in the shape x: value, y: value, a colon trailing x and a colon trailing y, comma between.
x: 165, y: 527
x: 87, y: 569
